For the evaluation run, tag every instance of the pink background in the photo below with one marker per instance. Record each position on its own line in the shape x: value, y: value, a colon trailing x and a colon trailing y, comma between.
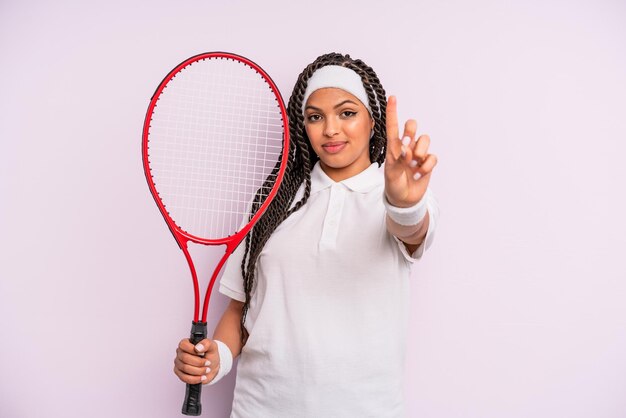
x: 518, y: 310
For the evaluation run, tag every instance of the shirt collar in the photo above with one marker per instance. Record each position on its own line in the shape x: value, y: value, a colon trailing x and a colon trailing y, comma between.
x: 363, y: 182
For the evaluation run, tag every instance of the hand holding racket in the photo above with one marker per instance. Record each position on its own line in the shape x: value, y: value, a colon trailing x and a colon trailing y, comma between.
x: 215, y: 141
x: 197, y: 363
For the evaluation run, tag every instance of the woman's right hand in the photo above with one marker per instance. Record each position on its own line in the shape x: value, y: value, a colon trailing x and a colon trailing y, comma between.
x: 193, y: 368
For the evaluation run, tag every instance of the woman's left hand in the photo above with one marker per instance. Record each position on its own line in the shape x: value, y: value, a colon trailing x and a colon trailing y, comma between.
x: 408, y: 165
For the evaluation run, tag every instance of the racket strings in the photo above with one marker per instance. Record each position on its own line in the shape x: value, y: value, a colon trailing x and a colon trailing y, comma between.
x: 215, y: 137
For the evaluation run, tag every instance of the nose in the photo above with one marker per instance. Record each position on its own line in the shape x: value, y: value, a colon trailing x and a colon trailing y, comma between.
x: 331, y: 128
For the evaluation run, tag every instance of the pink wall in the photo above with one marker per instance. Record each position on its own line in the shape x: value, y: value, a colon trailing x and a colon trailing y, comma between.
x: 518, y: 309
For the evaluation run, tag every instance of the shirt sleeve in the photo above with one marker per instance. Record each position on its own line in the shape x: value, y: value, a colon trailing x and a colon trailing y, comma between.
x: 231, y: 283
x: 433, y: 214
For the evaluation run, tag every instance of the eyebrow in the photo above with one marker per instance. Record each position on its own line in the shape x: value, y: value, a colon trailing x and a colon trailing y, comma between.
x: 335, y: 107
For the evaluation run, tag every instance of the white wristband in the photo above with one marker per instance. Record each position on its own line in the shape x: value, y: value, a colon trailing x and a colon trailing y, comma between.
x: 407, y: 216
x: 226, y: 361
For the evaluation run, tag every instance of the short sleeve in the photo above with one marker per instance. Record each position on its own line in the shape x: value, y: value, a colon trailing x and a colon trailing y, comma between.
x: 433, y: 214
x: 231, y: 283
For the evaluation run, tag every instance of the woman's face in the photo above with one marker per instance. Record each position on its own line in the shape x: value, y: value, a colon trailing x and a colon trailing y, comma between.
x: 338, y: 126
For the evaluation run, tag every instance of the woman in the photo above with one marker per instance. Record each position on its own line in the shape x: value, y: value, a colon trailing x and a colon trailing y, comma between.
x: 319, y: 291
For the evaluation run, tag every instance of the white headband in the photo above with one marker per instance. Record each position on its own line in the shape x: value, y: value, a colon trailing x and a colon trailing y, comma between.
x: 339, y: 77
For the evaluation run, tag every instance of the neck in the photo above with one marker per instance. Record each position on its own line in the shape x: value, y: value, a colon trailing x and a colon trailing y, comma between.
x: 342, y: 173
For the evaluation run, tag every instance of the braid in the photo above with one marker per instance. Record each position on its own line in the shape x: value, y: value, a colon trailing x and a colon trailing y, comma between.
x: 300, y: 162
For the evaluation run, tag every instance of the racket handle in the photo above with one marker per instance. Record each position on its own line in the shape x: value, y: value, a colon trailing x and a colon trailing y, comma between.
x: 192, y: 405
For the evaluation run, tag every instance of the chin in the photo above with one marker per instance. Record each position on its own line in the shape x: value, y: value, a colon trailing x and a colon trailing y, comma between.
x: 335, y: 162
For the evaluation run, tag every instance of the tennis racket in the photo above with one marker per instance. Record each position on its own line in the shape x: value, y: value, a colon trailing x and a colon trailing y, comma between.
x: 215, y: 146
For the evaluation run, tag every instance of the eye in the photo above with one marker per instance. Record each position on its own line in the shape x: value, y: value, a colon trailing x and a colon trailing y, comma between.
x: 313, y: 118
x: 348, y: 113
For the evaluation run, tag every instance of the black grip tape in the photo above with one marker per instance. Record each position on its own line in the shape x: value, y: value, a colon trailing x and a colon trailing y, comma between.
x: 192, y: 405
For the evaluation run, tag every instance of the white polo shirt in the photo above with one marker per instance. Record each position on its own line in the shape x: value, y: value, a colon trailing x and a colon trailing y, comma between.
x: 329, y: 308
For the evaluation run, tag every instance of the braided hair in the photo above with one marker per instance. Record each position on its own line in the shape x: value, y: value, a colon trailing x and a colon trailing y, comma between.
x: 301, y: 160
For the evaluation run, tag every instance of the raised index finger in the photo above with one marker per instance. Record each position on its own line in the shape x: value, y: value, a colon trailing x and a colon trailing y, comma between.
x: 392, y: 126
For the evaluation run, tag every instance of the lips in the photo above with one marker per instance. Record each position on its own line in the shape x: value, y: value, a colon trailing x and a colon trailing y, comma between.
x: 334, y: 147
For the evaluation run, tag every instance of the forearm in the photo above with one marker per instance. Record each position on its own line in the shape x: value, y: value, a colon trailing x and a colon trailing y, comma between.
x: 228, y: 329
x: 409, y: 224
x: 412, y: 235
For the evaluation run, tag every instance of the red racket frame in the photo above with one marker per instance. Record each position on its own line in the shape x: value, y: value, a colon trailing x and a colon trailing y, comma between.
x: 182, y: 238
